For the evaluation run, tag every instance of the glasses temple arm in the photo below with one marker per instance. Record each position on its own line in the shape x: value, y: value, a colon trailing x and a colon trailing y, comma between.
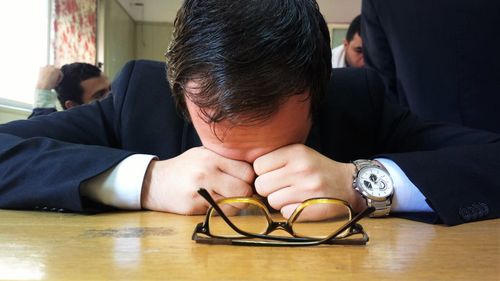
x: 352, y: 222
x: 204, y: 193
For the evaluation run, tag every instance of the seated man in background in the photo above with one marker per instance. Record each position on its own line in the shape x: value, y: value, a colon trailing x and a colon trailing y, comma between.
x: 74, y: 84
x: 350, y: 53
x: 261, y: 113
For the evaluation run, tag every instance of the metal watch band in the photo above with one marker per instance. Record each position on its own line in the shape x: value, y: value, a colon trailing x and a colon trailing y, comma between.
x: 361, y: 163
x: 382, y: 208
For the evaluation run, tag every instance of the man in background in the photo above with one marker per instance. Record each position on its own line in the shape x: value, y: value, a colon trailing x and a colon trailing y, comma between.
x: 350, y: 53
x: 74, y: 84
x: 438, y: 58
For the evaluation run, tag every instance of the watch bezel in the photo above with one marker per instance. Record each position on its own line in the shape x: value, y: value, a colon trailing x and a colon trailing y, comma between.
x: 361, y: 188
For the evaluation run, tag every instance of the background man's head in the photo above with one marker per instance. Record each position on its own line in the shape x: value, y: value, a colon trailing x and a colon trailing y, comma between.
x: 353, y: 44
x: 81, y: 84
x: 248, y: 56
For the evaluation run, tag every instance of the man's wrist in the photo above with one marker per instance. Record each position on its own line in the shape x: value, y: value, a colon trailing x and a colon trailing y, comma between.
x: 374, y: 183
x: 358, y: 203
x: 146, y: 185
x: 45, y: 99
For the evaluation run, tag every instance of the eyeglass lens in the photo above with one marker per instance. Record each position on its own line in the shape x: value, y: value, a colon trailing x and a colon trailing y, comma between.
x: 316, y: 220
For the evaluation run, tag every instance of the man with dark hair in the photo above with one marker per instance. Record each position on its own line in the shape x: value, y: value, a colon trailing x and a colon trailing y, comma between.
x: 350, y: 53
x: 75, y: 84
x: 262, y: 113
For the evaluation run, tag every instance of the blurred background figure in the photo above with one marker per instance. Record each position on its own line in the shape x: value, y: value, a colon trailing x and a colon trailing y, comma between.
x: 350, y: 53
x: 438, y: 58
x: 73, y: 85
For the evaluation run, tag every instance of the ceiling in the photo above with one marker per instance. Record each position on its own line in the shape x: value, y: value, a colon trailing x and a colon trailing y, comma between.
x: 334, y: 11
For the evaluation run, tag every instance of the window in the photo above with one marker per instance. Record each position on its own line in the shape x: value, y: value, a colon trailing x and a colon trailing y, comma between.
x: 25, y: 30
x: 337, y: 34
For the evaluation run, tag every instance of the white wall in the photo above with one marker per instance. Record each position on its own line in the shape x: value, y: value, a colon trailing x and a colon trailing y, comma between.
x: 152, y: 40
x: 334, y: 11
x: 119, y: 37
x: 339, y: 11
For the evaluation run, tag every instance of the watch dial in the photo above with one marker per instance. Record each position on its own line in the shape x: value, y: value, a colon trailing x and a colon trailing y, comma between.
x: 375, y: 182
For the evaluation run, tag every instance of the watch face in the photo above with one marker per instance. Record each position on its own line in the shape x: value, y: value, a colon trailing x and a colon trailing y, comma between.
x: 375, y: 182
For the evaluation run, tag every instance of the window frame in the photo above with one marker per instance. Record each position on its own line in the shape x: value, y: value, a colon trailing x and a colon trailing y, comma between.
x: 18, y: 107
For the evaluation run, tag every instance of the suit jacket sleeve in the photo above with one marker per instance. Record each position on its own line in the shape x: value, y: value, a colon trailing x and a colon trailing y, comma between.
x: 42, y: 111
x: 44, y: 160
x: 454, y: 167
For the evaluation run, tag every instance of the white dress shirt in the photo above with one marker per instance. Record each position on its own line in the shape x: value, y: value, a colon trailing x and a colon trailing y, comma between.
x: 121, y: 185
x: 338, y: 57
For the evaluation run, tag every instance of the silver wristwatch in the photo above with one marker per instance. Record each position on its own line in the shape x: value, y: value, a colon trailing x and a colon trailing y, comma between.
x: 375, y: 184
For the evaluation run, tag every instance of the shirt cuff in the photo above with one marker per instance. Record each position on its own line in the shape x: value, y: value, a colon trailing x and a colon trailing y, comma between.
x: 407, y: 197
x: 45, y: 99
x: 119, y: 186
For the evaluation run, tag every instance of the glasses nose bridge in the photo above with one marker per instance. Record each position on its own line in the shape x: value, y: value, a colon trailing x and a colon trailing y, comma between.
x: 280, y: 225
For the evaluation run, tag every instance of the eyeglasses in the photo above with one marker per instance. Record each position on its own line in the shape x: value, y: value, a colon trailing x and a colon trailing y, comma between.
x: 247, y: 221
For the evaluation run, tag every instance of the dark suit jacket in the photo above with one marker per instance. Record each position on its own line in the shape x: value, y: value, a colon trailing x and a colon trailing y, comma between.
x: 44, y: 160
x: 440, y: 58
x: 42, y: 111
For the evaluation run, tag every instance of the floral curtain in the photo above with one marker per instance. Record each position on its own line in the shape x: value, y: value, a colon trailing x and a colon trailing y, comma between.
x: 75, y: 29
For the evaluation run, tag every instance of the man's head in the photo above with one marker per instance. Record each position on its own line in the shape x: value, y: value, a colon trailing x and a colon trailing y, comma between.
x: 353, y: 44
x: 81, y: 84
x: 234, y: 65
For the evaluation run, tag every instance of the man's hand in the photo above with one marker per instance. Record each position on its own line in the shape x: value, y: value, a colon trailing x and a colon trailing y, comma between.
x: 49, y: 77
x: 171, y: 185
x: 294, y: 173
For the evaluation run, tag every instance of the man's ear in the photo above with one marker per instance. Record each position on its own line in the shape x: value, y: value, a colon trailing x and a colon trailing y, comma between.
x: 345, y: 43
x: 69, y: 104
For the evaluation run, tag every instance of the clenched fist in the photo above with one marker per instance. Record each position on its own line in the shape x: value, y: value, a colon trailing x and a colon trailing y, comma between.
x: 171, y: 185
x: 294, y: 173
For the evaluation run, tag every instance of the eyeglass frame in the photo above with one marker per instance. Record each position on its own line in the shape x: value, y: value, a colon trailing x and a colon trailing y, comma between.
x: 332, y: 239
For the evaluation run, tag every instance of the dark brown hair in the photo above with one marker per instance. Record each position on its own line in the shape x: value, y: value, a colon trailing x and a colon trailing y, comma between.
x: 354, y: 27
x: 248, y: 56
x: 73, y: 74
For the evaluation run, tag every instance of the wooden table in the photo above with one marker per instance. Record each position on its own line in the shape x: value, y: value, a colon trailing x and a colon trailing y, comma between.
x: 158, y: 246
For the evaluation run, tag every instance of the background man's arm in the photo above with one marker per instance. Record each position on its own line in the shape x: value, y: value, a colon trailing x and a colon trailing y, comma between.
x: 45, y: 101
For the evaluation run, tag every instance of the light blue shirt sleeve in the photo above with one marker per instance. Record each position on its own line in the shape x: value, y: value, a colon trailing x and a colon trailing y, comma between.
x: 407, y: 197
x: 44, y: 99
